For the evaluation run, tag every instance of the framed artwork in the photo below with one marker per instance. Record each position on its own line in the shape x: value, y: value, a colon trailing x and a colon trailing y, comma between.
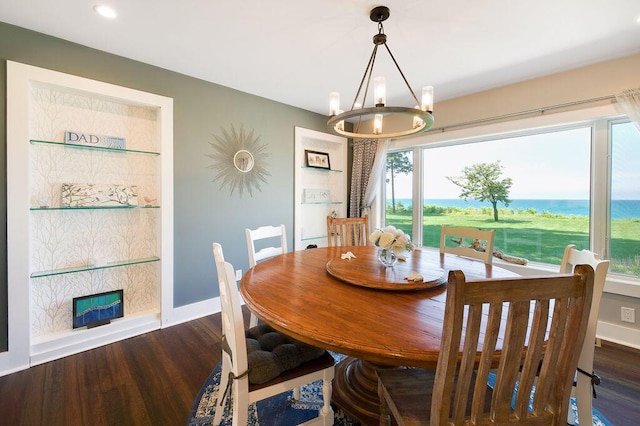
x: 317, y: 196
x: 98, y: 195
x: 97, y: 309
x: 317, y: 159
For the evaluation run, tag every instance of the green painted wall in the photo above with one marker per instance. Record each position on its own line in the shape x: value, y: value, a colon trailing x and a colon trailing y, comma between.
x: 203, y: 213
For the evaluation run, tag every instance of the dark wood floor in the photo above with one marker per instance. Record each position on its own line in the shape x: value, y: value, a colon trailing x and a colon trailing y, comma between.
x: 153, y: 379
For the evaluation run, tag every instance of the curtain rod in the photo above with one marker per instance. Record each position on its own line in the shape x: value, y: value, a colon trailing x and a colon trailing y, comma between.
x: 522, y: 113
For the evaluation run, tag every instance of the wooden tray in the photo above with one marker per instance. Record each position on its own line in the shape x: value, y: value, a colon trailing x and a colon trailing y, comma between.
x: 367, y: 271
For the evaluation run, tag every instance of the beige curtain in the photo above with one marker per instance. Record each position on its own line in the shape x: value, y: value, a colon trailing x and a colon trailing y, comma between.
x: 369, y: 160
x: 629, y: 101
x: 364, y: 152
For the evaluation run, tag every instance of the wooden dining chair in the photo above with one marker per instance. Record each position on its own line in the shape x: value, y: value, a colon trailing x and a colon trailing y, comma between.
x: 541, y: 322
x: 347, y: 231
x: 260, y: 362
x: 267, y: 235
x: 583, y: 389
x: 462, y: 240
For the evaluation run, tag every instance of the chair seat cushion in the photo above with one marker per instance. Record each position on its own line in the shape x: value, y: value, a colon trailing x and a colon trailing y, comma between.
x: 270, y: 353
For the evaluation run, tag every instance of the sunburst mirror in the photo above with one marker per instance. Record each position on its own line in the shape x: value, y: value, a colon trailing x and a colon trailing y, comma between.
x: 239, y: 160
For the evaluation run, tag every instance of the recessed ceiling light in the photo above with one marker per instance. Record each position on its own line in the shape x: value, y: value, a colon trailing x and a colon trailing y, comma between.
x: 104, y: 10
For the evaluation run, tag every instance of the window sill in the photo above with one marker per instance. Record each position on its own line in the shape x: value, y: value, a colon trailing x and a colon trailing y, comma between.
x: 616, y: 284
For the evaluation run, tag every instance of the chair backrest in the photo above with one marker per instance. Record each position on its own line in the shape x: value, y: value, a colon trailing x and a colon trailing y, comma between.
x: 231, y: 313
x: 570, y: 259
x: 261, y: 233
x: 347, y: 231
x: 464, y: 239
x: 546, y: 319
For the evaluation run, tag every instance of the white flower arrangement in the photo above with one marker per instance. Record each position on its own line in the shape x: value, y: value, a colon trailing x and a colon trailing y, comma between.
x: 392, y: 238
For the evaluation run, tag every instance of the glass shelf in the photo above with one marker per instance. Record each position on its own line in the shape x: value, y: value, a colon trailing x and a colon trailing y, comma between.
x: 94, y: 208
x: 83, y: 268
x: 320, y: 169
x: 93, y: 148
x: 323, y: 202
x: 313, y: 238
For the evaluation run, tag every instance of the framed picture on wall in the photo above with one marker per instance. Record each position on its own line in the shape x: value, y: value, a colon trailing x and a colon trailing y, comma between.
x: 317, y: 159
x: 317, y: 195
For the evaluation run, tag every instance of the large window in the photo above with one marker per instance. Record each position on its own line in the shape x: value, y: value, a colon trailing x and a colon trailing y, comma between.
x: 540, y: 190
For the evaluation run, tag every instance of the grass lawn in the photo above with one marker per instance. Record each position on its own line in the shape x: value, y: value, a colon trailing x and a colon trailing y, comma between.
x: 535, y: 237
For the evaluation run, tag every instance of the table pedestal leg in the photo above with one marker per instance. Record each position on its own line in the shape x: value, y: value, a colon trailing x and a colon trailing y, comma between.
x: 355, y: 389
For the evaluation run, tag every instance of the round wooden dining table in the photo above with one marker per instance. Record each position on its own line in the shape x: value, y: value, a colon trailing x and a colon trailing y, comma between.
x: 359, y: 308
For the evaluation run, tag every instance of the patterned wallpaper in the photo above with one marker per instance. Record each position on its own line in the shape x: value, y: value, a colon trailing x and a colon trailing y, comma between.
x: 73, y: 238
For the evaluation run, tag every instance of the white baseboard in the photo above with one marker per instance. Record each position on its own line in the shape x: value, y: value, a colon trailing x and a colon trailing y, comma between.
x: 194, y: 311
x: 9, y: 363
x: 618, y: 334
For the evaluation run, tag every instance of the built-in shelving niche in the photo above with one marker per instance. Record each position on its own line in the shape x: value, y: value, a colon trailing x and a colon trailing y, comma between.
x: 57, y: 252
x: 330, y: 183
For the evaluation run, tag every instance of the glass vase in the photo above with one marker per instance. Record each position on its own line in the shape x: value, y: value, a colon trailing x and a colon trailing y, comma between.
x: 387, y: 257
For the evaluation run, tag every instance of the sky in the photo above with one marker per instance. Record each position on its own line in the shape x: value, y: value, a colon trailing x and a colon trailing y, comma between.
x: 548, y: 166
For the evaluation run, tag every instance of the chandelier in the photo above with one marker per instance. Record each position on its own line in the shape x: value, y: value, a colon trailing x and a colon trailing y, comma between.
x: 368, y: 122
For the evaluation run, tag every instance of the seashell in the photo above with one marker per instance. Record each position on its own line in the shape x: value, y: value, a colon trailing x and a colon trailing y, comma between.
x: 414, y: 276
x: 348, y: 255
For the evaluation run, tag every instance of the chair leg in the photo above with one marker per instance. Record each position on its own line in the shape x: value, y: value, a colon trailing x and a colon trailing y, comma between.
x: 326, y: 412
x: 584, y: 400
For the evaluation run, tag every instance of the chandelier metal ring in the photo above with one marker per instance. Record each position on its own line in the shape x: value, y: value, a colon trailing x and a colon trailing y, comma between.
x: 334, y: 122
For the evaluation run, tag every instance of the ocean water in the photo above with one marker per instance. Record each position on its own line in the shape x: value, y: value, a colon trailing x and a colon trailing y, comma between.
x: 620, y: 209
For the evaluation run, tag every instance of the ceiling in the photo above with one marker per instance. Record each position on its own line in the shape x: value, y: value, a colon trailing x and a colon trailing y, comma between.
x: 297, y: 51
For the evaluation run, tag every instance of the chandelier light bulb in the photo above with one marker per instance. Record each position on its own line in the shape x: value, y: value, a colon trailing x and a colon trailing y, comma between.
x: 340, y: 124
x: 427, y: 98
x: 417, y: 121
x: 379, y: 91
x: 377, y: 124
x: 334, y: 103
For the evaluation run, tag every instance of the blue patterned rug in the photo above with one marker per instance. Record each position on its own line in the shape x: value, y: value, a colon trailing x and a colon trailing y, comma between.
x: 279, y: 410
x: 598, y: 418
